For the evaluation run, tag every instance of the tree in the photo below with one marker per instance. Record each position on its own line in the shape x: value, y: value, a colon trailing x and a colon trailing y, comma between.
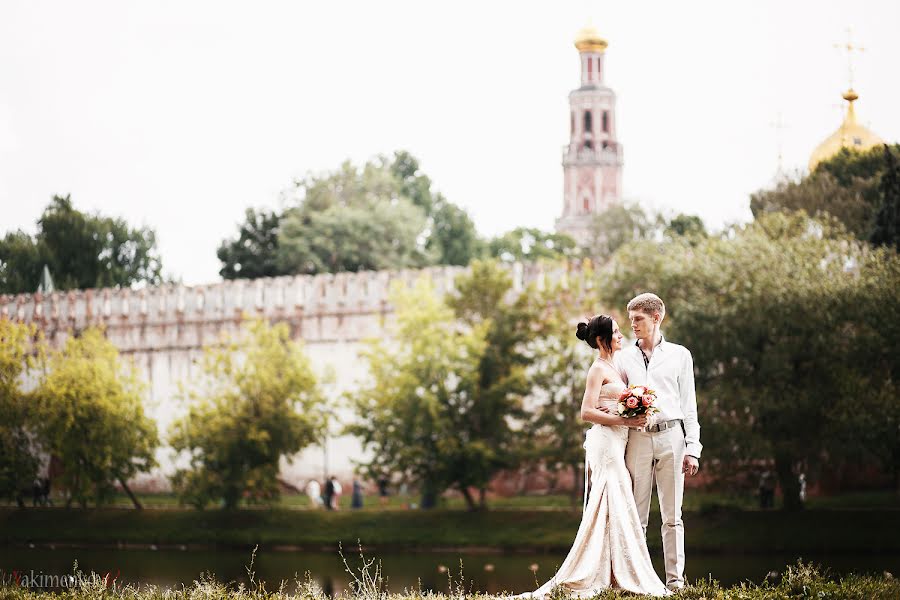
x: 616, y: 226
x: 483, y: 299
x: 414, y: 184
x: 686, y: 226
x: 81, y: 250
x: 886, y: 231
x: 257, y: 402
x: 18, y: 457
x: 90, y: 414
x: 352, y: 220
x: 453, y: 237
x: 772, y: 312
x: 254, y: 252
x: 416, y: 407
x: 378, y: 236
x: 845, y: 186
x: 525, y: 244
x: 382, y: 215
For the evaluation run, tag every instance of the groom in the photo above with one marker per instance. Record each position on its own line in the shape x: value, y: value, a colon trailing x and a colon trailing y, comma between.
x: 669, y: 449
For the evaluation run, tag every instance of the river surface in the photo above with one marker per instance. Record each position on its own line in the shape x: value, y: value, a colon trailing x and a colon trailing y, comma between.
x: 491, y: 573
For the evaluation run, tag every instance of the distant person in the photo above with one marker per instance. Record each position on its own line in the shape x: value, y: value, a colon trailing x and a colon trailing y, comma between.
x: 801, y: 479
x: 314, y: 493
x: 767, y: 489
x: 357, y: 498
x: 383, y: 490
x: 404, y: 495
x: 328, y: 496
x: 337, y: 490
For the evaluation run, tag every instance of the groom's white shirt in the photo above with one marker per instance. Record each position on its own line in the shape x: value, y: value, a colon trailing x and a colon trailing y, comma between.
x: 671, y: 374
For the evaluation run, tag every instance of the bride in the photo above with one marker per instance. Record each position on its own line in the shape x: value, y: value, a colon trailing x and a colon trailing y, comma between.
x: 609, y: 549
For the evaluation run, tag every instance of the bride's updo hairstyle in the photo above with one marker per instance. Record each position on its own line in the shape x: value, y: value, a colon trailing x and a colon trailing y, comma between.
x: 600, y: 326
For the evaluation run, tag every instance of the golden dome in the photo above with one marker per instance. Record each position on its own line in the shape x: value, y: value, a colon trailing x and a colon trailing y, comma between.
x: 588, y: 40
x: 849, y: 135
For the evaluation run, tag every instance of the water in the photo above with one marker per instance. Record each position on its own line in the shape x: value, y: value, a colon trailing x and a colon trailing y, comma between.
x: 491, y: 573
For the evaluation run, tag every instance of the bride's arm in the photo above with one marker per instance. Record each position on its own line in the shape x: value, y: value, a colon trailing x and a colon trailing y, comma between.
x: 591, y: 392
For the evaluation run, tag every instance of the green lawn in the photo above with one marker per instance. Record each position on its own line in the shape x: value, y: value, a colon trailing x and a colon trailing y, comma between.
x: 694, y: 501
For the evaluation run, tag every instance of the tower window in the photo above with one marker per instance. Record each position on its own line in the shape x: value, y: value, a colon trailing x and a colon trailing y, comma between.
x: 572, y: 123
x: 586, y: 204
x: 588, y: 145
x: 590, y: 68
x: 588, y: 121
x: 605, y: 121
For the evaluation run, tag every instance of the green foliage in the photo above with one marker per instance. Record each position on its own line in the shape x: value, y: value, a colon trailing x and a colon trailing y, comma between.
x: 81, y: 250
x: 383, y: 215
x: 525, y: 244
x: 380, y: 235
x: 845, y: 186
x: 253, y: 254
x: 257, y: 402
x: 89, y: 414
x: 776, y: 315
x: 453, y: 236
x: 886, y: 231
x: 416, y: 407
x: 484, y: 297
x: 618, y: 225
x: 18, y: 460
x: 686, y: 226
x: 414, y: 184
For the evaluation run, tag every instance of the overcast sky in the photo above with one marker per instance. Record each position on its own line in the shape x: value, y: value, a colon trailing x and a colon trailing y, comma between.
x: 181, y: 114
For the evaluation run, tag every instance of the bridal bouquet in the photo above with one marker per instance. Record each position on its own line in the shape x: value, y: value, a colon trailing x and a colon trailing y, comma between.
x: 637, y: 400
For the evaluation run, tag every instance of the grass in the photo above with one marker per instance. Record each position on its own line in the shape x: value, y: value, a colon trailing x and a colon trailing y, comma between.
x: 799, y: 581
x: 694, y: 501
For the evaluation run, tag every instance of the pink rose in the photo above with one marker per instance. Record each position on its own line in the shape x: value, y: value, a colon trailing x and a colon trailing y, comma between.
x: 632, y: 402
x: 639, y: 390
x: 647, y: 400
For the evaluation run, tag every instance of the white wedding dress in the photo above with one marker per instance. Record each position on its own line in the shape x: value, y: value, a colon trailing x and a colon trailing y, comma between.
x: 609, y: 549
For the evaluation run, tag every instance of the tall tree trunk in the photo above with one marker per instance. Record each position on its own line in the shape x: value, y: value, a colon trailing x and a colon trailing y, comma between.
x: 134, y: 499
x: 470, y: 501
x: 787, y: 479
x: 575, y: 496
x: 71, y: 497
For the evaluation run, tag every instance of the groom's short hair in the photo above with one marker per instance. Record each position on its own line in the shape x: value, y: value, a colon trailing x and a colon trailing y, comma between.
x: 648, y: 303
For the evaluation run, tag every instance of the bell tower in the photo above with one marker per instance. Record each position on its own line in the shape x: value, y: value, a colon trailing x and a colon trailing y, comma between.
x: 592, y: 161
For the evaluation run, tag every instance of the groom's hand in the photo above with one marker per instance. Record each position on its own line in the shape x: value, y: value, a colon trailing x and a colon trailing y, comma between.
x: 690, y: 466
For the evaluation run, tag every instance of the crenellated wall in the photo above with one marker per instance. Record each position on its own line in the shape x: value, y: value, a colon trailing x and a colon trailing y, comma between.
x: 163, y: 330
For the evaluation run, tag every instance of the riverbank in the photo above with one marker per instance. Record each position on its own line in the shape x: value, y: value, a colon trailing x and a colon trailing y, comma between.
x: 813, y: 531
x: 798, y: 581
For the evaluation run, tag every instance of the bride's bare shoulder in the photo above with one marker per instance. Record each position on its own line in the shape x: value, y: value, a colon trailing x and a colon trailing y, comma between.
x: 601, y: 373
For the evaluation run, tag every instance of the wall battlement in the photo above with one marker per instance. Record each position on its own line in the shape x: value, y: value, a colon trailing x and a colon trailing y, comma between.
x: 327, y: 307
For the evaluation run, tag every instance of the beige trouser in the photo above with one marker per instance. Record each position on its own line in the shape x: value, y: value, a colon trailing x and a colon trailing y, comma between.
x: 659, y: 456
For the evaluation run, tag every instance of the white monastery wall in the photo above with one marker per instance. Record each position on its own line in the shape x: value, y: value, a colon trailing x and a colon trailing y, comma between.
x: 164, y: 329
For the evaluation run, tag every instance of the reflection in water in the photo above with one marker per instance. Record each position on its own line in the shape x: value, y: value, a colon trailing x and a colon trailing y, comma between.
x: 438, y: 572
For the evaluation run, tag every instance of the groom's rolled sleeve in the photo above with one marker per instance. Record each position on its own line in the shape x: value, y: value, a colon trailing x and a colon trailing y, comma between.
x: 688, y: 394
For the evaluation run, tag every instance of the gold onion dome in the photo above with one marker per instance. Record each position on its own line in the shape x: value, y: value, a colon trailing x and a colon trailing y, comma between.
x: 588, y: 40
x: 849, y: 135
